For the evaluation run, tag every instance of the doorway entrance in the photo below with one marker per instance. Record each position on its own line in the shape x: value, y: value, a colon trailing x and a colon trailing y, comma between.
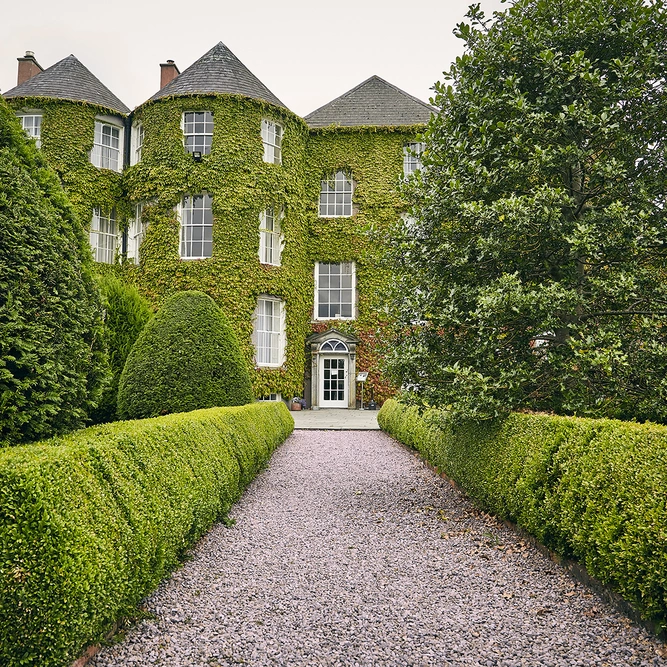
x: 330, y: 377
x: 333, y: 392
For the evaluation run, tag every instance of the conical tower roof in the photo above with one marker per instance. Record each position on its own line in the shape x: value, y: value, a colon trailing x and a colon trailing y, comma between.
x: 218, y: 71
x: 374, y: 102
x: 68, y: 79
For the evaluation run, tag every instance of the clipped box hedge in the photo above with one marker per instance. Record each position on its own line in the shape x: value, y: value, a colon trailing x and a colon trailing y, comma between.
x: 594, y: 490
x: 91, y: 522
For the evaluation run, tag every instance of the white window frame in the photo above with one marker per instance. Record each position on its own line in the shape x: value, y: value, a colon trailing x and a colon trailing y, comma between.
x: 274, y: 333
x: 106, y: 155
x: 135, y: 234
x: 104, y: 236
x: 202, y: 145
x: 271, y: 239
x: 272, y: 397
x: 137, y: 142
x: 320, y: 279
x: 187, y: 220
x: 340, y: 186
x: 412, y: 162
x: 31, y: 126
x: 272, y: 139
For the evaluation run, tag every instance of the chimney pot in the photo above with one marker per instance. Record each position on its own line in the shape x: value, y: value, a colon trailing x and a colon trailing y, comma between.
x: 168, y: 72
x: 28, y: 67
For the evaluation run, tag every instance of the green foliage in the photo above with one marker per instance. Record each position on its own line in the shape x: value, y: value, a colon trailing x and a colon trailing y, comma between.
x: 52, y: 358
x: 90, y: 523
x: 126, y: 313
x: 186, y: 358
x: 242, y: 185
x: 534, y: 275
x: 66, y: 142
x: 589, y: 489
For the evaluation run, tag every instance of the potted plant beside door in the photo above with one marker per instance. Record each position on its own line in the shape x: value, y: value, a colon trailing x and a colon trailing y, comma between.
x: 297, y: 403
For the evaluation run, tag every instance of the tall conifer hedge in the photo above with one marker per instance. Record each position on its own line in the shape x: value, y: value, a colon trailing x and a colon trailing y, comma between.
x: 52, y: 360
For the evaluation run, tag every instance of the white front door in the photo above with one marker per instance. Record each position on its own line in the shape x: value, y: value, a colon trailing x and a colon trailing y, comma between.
x: 333, y: 383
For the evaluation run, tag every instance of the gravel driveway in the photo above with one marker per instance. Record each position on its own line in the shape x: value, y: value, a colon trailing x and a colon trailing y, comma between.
x: 347, y: 550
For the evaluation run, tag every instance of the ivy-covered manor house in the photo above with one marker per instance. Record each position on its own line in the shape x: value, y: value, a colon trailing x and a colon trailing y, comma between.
x: 214, y: 184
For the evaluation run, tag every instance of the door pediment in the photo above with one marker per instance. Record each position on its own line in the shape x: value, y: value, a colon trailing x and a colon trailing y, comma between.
x: 319, y: 338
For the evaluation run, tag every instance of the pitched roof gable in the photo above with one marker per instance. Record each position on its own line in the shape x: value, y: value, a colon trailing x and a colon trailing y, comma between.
x: 218, y: 71
x: 374, y: 102
x: 69, y: 79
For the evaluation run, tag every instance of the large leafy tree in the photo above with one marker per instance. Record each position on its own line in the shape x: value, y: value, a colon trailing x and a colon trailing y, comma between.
x: 533, y: 273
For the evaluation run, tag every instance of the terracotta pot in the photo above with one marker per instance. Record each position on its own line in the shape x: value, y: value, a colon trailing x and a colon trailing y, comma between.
x: 296, y: 406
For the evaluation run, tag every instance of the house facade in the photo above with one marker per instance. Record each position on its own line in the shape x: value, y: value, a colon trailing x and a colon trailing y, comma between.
x: 214, y: 184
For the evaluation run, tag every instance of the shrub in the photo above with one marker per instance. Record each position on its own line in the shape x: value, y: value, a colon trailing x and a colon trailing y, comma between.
x: 52, y: 359
x: 91, y: 522
x: 593, y: 490
x: 187, y: 357
x: 126, y: 314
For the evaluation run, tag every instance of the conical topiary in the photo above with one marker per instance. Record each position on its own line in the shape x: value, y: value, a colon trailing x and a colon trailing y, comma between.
x: 187, y: 357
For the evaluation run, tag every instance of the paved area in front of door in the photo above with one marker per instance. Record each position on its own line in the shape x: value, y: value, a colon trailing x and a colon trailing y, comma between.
x: 332, y: 419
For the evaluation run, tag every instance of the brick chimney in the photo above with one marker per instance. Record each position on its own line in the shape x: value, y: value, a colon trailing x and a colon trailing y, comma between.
x: 168, y: 72
x: 28, y: 67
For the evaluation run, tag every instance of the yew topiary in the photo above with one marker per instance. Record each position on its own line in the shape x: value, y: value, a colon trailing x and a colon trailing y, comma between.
x: 186, y: 358
x: 52, y: 359
x: 126, y: 314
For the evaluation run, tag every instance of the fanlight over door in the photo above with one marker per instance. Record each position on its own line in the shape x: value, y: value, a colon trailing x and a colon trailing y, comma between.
x: 334, y: 346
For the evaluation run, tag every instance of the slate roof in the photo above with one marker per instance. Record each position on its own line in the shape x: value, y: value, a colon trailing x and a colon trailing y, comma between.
x: 373, y: 102
x: 218, y: 71
x: 68, y: 79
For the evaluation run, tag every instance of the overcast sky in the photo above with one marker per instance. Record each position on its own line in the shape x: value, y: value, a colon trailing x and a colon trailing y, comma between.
x: 306, y: 52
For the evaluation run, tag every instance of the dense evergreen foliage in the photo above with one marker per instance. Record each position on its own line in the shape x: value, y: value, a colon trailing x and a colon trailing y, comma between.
x: 590, y: 489
x: 92, y: 521
x: 187, y: 357
x: 52, y: 360
x: 125, y: 315
x: 534, y: 270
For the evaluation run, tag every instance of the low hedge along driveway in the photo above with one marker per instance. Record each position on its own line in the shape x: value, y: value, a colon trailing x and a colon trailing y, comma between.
x: 93, y: 521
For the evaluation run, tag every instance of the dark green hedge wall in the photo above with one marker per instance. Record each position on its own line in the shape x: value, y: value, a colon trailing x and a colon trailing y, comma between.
x: 52, y: 356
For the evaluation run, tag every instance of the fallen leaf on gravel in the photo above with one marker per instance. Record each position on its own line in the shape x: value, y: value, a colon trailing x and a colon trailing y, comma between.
x: 507, y: 595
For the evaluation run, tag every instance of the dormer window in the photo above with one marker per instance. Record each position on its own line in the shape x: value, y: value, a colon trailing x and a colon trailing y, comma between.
x: 107, y: 144
x: 198, y: 131
x: 272, y: 138
x: 412, y: 160
x: 32, y: 126
x: 336, y: 196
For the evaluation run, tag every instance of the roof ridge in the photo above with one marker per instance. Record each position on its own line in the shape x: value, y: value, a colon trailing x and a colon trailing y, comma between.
x: 217, y: 71
x: 397, y: 108
x: 69, y: 79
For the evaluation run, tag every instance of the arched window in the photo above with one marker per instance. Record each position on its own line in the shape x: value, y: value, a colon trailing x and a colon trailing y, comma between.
x: 336, y: 196
x: 334, y: 346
